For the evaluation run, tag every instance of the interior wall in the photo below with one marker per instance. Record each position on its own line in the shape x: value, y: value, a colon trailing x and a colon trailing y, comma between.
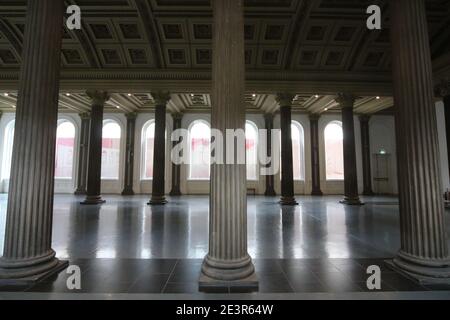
x: 442, y: 136
x: 382, y: 137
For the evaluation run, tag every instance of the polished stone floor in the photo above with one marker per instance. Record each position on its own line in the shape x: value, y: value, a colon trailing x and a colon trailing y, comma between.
x: 125, y: 227
x: 318, y: 246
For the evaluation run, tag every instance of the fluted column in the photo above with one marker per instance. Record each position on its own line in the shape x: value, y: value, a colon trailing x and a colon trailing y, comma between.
x: 365, y: 146
x: 270, y: 179
x: 83, y: 154
x: 159, y: 149
x: 27, y: 249
x: 93, y: 194
x: 346, y: 102
x: 287, y: 169
x: 424, y: 252
x: 176, y: 168
x: 228, y: 262
x: 315, y: 162
x: 129, y: 152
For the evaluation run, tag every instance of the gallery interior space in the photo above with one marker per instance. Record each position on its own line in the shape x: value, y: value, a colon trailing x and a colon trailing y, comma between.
x: 87, y: 118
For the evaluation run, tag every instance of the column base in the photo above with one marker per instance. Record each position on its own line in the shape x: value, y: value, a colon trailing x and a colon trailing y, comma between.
x: 80, y: 192
x: 270, y: 193
x: 352, y: 201
x: 288, y: 201
x: 423, y: 271
x: 175, y: 193
x: 128, y: 192
x: 368, y: 193
x: 90, y: 200
x: 209, y: 285
x: 157, y: 200
x: 30, y: 270
x: 236, y: 275
x: 317, y: 193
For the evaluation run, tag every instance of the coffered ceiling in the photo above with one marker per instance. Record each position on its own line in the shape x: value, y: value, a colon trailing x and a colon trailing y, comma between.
x: 310, y: 47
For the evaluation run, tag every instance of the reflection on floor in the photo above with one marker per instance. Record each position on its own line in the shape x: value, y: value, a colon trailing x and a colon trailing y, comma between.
x: 318, y: 246
x: 181, y: 276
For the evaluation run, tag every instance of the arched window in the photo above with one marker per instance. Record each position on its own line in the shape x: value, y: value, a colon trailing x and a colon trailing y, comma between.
x: 65, y: 143
x: 334, y: 151
x: 298, y: 150
x: 148, y: 139
x: 110, y: 149
x: 199, y: 150
x: 251, y: 142
x: 7, y: 150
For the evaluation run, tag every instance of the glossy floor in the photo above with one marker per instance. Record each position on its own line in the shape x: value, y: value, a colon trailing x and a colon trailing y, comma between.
x: 125, y: 227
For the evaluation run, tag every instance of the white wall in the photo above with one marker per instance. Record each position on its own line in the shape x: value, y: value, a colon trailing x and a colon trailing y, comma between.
x: 382, y: 136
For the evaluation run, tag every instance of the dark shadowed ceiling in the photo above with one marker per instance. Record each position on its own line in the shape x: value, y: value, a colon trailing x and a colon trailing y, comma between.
x: 310, y: 47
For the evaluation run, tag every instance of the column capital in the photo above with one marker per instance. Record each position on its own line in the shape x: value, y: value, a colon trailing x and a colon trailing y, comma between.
x: 177, y: 116
x: 442, y: 89
x: 131, y: 115
x: 284, y: 99
x: 161, y: 97
x: 314, y: 116
x: 364, y: 117
x: 85, y: 116
x: 269, y: 116
x: 346, y: 99
x: 98, y: 97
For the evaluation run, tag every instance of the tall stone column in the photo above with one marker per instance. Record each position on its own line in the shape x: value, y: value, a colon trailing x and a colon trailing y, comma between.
x: 159, y: 148
x: 365, y: 142
x: 93, y: 194
x: 228, y: 262
x: 129, y: 152
x: 424, y: 253
x: 176, y: 168
x: 270, y: 179
x: 83, y: 154
x: 315, y: 156
x: 27, y: 249
x: 287, y: 169
x: 346, y: 102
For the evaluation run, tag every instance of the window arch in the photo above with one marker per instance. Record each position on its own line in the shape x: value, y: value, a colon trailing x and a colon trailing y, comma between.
x: 111, y: 149
x: 8, y: 142
x: 148, y: 140
x: 65, y: 144
x: 199, y: 150
x: 251, y: 142
x: 334, y: 154
x: 298, y: 150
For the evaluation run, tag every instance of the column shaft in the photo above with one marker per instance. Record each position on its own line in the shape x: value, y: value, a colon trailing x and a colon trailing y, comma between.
x: 315, y: 160
x: 159, y: 149
x: 228, y: 260
x: 176, y: 168
x: 351, y: 197
x: 270, y: 179
x: 83, y: 154
x: 424, y: 252
x: 366, y: 155
x: 27, y: 249
x: 129, y: 152
x: 93, y: 194
x: 287, y: 169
